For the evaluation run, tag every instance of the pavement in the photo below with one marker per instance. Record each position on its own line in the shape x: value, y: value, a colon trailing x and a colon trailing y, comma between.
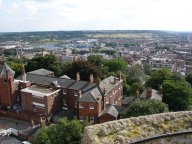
x: 6, y: 123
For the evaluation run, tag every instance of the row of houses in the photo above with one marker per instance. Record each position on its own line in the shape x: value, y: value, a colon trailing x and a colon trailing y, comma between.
x: 40, y: 93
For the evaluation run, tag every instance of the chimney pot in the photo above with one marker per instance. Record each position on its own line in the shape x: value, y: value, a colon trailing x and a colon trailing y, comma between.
x: 149, y: 92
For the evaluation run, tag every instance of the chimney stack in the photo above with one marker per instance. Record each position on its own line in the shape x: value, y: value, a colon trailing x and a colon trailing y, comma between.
x: 97, y: 80
x: 77, y: 77
x: 104, y: 91
x: 23, y: 73
x: 149, y: 92
x: 115, y: 80
x: 91, y: 79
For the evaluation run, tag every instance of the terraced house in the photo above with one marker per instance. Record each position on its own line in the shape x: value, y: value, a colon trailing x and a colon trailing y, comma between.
x: 40, y: 93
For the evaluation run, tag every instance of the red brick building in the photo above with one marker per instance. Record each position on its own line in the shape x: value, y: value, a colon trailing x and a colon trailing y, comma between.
x: 43, y: 94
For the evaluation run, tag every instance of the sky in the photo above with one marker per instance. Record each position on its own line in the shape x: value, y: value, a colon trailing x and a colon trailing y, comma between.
x: 54, y: 15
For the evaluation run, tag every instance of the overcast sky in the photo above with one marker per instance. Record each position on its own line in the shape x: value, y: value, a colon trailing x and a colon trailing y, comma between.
x: 42, y: 15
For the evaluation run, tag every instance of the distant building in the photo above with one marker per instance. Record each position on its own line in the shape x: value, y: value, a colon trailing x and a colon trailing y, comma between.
x: 157, y: 63
x: 150, y: 93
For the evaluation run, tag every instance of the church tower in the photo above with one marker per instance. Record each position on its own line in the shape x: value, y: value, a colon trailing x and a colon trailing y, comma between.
x: 7, y: 86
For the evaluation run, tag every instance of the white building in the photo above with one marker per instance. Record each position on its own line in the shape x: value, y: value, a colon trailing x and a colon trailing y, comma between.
x: 157, y: 63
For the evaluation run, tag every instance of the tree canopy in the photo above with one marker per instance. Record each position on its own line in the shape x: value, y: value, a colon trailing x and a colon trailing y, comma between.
x: 64, y: 132
x: 157, y: 77
x: 177, y: 95
x: 189, y: 78
x: 145, y: 107
x: 49, y: 62
x: 115, y: 65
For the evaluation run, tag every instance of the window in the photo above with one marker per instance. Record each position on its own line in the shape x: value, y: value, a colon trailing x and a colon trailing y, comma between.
x: 16, y: 87
x: 64, y: 102
x: 81, y: 118
x: 75, y: 103
x: 92, y: 119
x: 80, y: 105
x: 75, y: 94
x: 5, y: 80
x: 91, y: 106
x: 34, y: 108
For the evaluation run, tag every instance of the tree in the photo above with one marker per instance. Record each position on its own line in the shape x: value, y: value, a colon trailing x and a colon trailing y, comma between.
x: 17, y: 67
x: 145, y: 107
x: 95, y: 59
x: 177, y: 94
x: 135, y: 74
x: 115, y: 65
x: 126, y: 90
x: 49, y: 62
x: 147, y: 68
x: 157, y: 77
x: 64, y: 132
x: 134, y: 87
x: 85, y: 69
x: 189, y: 78
x: 40, y: 62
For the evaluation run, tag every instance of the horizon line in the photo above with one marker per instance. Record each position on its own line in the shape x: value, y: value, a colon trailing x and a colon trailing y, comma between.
x: 179, y: 31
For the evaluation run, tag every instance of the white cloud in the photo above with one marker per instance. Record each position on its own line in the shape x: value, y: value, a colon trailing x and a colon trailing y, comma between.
x: 29, y: 15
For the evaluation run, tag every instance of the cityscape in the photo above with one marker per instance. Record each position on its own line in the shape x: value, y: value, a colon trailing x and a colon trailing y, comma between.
x: 95, y: 78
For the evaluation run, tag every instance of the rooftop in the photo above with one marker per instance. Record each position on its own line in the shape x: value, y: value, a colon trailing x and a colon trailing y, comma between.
x: 64, y: 83
x: 39, y: 90
x: 4, y: 68
x: 41, y: 71
x: 155, y: 95
x: 109, y: 83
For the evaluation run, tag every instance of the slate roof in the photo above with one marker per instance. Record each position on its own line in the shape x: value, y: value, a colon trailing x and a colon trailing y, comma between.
x: 64, y: 83
x: 91, y: 96
x: 41, y: 71
x: 4, y: 68
x: 128, y: 100
x: 65, y: 77
x: 109, y: 84
x: 111, y: 110
x: 155, y: 95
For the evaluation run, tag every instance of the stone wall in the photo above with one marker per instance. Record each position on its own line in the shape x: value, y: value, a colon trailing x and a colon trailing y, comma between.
x: 138, y: 128
x: 176, y: 139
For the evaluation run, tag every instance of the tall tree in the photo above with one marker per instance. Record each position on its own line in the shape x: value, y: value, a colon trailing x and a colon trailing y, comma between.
x: 189, y: 78
x: 177, y: 94
x: 157, y: 77
x: 135, y: 74
x: 115, y: 65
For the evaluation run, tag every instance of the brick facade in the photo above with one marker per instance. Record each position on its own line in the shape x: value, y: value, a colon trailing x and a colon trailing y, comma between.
x: 7, y: 90
x: 71, y: 95
x: 106, y: 118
